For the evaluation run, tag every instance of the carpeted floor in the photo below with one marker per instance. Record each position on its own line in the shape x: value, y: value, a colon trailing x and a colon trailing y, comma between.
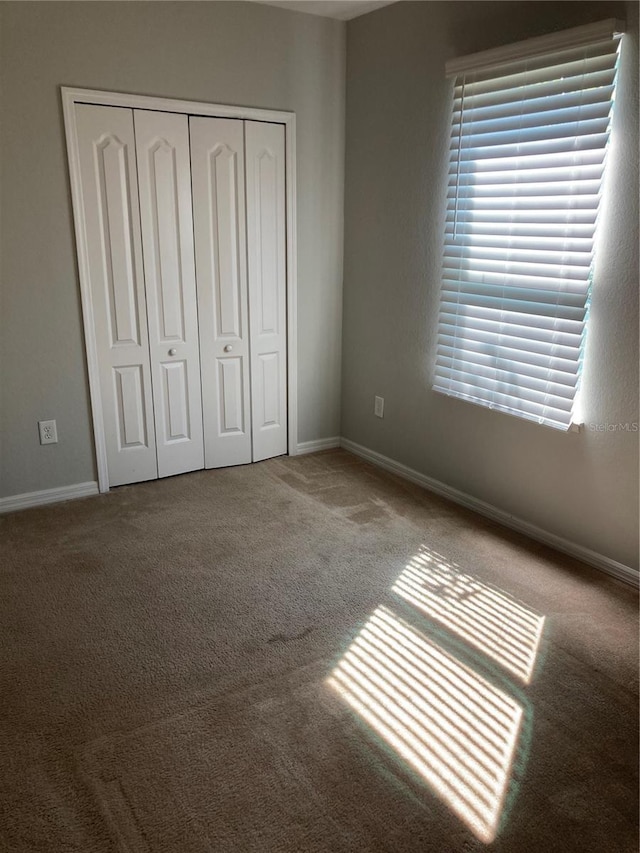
x: 307, y: 654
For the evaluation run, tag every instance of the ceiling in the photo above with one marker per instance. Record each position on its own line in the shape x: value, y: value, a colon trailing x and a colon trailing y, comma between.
x: 342, y: 10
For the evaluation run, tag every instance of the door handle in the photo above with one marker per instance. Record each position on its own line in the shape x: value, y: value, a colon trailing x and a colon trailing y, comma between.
x: 173, y: 351
x: 228, y: 348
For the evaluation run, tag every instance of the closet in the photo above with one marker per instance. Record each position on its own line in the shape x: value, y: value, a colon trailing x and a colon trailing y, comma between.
x: 184, y: 224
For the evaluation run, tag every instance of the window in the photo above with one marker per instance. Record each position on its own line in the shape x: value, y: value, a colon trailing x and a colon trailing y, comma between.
x: 529, y: 136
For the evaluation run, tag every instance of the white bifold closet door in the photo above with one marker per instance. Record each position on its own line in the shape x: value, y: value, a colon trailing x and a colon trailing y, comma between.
x: 190, y: 337
x: 239, y: 217
x: 140, y: 237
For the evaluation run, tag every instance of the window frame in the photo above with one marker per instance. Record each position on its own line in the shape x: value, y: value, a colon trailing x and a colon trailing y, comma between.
x: 552, y: 379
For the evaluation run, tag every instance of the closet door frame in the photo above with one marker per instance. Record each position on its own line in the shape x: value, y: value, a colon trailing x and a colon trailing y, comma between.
x: 73, y: 96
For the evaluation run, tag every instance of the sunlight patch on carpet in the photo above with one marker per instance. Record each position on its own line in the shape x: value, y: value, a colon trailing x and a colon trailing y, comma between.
x: 492, y: 621
x: 451, y: 726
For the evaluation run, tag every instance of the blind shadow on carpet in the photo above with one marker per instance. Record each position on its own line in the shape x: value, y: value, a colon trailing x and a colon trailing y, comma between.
x: 303, y: 762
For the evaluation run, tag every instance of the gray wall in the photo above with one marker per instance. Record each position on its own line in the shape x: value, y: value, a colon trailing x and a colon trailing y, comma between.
x: 232, y: 53
x: 583, y: 487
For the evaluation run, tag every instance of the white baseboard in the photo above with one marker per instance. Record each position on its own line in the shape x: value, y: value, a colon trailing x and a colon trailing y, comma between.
x: 593, y: 558
x: 48, y: 496
x: 318, y: 444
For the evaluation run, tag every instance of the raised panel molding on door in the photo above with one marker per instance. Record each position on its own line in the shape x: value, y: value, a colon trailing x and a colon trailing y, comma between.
x: 162, y: 146
x: 217, y: 165
x: 116, y: 279
x: 267, y: 275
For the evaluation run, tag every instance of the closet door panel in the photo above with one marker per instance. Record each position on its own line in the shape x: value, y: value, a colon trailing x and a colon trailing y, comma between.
x: 162, y: 146
x: 217, y: 163
x: 111, y: 219
x: 266, y: 236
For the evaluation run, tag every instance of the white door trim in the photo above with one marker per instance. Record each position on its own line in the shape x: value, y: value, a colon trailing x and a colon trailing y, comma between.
x: 71, y: 97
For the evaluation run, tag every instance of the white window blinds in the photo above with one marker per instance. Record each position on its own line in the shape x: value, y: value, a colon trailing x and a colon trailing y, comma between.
x: 529, y: 135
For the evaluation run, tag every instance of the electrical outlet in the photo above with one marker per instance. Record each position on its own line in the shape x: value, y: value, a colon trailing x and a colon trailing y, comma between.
x: 378, y: 407
x: 48, y: 432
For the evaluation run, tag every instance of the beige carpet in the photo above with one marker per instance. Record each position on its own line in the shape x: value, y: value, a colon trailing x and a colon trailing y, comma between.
x: 307, y: 655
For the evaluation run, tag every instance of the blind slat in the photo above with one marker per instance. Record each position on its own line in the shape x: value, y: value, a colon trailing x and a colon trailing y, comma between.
x: 546, y: 144
x: 583, y: 206
x: 532, y: 220
x: 550, y: 88
x: 564, y: 98
x: 562, y: 177
x: 503, y: 323
x: 536, y: 391
x: 474, y: 137
x: 520, y: 241
x: 542, y: 360
x: 510, y: 257
x: 519, y: 348
x: 512, y: 285
x: 535, y: 163
x: 557, y: 375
